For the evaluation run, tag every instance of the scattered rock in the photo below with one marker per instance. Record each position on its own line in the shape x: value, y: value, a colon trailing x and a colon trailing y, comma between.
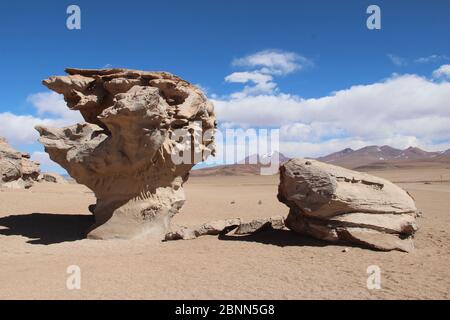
x: 226, y: 226
x: 53, y: 177
x: 340, y: 205
x: 210, y: 228
x: 134, y: 150
x: 17, y: 171
x: 262, y: 224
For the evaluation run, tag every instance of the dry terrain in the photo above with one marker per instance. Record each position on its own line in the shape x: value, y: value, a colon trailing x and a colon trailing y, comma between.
x: 41, y: 234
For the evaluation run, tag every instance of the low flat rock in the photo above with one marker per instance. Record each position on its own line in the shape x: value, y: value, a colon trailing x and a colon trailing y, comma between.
x: 260, y: 225
x: 209, y: 228
x: 237, y: 225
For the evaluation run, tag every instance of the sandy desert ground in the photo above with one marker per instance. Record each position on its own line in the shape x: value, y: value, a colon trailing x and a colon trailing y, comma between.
x: 41, y: 232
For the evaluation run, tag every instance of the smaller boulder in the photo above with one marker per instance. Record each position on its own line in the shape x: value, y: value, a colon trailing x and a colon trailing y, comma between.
x: 17, y: 171
x: 53, y: 178
x: 340, y: 205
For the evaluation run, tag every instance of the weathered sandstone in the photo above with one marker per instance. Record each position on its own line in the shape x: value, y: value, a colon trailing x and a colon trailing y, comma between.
x: 236, y: 225
x: 124, y: 151
x: 17, y: 171
x: 340, y: 205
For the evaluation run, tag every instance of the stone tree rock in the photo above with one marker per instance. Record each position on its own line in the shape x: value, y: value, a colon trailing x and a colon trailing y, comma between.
x: 16, y: 168
x: 336, y: 204
x: 125, y: 150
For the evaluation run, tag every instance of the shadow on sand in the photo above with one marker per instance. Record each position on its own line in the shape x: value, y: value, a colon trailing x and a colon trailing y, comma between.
x: 46, y: 228
x: 281, y: 238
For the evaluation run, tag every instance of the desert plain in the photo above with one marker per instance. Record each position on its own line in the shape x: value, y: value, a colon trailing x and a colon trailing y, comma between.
x: 42, y: 232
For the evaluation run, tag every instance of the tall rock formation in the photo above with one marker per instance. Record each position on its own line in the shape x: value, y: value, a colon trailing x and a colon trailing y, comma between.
x: 144, y: 131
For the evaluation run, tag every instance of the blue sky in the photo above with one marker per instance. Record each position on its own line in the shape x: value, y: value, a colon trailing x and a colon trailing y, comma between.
x: 327, y: 43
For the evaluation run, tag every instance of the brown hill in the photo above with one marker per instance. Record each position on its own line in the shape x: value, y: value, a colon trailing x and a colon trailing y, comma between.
x: 366, y: 155
x: 375, y: 156
x: 228, y: 170
x: 250, y: 166
x: 365, y: 159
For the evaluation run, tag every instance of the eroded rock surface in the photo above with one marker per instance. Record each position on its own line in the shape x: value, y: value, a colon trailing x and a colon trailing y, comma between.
x: 336, y: 204
x: 123, y: 152
x: 17, y: 170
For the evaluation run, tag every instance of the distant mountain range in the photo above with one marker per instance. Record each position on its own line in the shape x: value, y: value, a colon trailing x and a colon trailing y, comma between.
x: 364, y: 159
x: 249, y: 166
x: 373, y: 156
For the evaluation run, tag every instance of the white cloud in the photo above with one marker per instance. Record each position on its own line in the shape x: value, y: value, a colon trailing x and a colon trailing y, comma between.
x: 398, y: 61
x: 46, y: 164
x: 274, y: 62
x: 19, y: 129
x: 244, y: 77
x: 261, y: 83
x: 432, y: 58
x: 51, y: 111
x: 442, y: 72
x: 400, y: 111
x: 51, y: 103
x: 266, y: 65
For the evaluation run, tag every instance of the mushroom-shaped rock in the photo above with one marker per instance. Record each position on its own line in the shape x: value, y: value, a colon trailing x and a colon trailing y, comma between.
x: 336, y: 204
x: 143, y: 133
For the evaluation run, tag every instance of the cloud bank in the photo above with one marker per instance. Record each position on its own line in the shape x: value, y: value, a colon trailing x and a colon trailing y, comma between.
x: 402, y: 110
x: 51, y: 111
x: 261, y: 68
